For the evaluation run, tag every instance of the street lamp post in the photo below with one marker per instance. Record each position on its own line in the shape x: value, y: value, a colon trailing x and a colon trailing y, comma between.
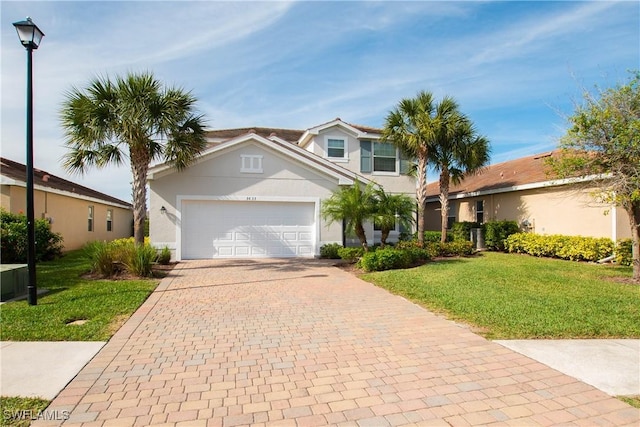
x: 30, y: 37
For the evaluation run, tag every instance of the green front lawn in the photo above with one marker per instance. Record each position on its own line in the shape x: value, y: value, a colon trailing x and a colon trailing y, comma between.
x: 19, y: 411
x: 510, y: 296
x: 103, y: 304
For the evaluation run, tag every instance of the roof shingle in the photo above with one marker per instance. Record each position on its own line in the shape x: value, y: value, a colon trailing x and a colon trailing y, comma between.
x: 525, y: 170
x: 18, y: 172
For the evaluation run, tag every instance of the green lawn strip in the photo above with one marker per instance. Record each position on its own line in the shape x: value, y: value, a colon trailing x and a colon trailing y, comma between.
x: 510, y: 296
x: 19, y: 411
x: 631, y: 400
x: 104, y: 304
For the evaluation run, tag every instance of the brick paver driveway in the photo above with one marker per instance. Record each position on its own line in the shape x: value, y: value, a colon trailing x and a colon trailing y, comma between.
x: 291, y: 342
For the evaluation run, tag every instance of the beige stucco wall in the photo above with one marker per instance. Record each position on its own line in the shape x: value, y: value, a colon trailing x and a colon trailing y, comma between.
x: 69, y: 215
x: 395, y: 183
x: 550, y: 210
x: 220, y: 176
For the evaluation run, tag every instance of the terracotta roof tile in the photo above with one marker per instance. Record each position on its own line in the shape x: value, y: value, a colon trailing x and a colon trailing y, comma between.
x: 290, y: 135
x: 18, y: 172
x: 525, y: 170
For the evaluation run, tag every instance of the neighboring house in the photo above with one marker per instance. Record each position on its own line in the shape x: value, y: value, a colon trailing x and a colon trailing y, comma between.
x: 257, y: 192
x: 522, y: 190
x: 79, y: 213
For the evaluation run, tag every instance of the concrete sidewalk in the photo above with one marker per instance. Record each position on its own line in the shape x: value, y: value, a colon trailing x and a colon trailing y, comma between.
x: 612, y: 366
x: 42, y: 369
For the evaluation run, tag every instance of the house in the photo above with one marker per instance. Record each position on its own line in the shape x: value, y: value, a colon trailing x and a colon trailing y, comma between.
x: 257, y: 192
x: 523, y: 190
x: 78, y: 213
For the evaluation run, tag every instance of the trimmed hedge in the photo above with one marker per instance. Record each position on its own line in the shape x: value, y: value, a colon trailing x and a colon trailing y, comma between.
x: 624, y: 255
x: 350, y: 254
x: 574, y: 248
x: 461, y: 231
x: 385, y: 259
x: 495, y: 233
x: 330, y: 251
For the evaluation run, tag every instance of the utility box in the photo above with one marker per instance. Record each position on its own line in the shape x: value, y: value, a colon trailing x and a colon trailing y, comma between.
x: 14, y: 281
x: 477, y: 237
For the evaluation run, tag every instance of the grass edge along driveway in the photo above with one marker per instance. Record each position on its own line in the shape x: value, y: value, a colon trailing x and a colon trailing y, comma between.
x: 511, y: 296
x: 101, y: 306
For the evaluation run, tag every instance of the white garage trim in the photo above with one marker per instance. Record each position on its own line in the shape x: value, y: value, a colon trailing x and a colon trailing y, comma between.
x: 244, y: 199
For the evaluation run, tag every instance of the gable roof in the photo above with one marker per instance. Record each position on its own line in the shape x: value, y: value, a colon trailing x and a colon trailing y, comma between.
x: 294, y: 136
x: 220, y: 135
x: 358, y: 131
x: 519, y: 174
x: 14, y: 173
x: 344, y: 176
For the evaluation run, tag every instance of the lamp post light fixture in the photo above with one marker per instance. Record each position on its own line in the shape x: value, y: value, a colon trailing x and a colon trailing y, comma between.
x: 30, y: 37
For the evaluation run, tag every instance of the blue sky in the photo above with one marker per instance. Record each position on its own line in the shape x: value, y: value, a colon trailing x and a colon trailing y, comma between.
x: 516, y: 68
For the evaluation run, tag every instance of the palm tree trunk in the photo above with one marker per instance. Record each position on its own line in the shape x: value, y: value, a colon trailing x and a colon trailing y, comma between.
x: 139, y: 167
x: 384, y: 235
x: 444, y: 202
x: 362, y: 236
x: 422, y: 194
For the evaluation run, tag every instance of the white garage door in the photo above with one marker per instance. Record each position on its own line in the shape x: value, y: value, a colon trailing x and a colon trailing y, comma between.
x: 240, y: 229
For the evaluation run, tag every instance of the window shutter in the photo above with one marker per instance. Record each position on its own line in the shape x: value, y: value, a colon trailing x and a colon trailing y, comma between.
x: 405, y: 163
x: 365, y: 156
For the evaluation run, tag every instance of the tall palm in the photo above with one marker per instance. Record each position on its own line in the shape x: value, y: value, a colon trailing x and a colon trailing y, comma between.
x: 455, y: 156
x: 354, y: 205
x: 414, y: 126
x: 132, y: 117
x: 391, y: 209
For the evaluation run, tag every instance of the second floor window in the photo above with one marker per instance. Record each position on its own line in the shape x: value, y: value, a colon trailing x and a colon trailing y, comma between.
x: 384, y: 157
x: 336, y: 148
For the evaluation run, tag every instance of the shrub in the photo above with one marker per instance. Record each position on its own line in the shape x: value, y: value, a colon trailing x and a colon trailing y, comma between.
x: 330, y: 251
x: 111, y: 258
x: 385, y: 259
x: 164, y: 256
x: 461, y: 231
x: 455, y: 248
x: 104, y: 258
x: 13, y: 238
x: 350, y: 254
x: 574, y: 248
x: 434, y: 236
x: 624, y: 252
x: 140, y: 259
x: 495, y: 233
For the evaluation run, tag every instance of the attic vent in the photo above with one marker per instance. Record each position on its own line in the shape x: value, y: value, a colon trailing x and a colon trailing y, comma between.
x: 542, y: 156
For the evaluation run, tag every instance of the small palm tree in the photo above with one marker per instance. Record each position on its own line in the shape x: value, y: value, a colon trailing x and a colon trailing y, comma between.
x: 456, y: 156
x: 354, y: 205
x: 134, y: 117
x: 391, y: 209
x: 414, y: 126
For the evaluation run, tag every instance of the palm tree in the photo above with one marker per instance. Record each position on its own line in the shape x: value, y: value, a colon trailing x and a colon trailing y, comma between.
x: 354, y: 206
x: 456, y: 156
x: 414, y: 126
x: 392, y: 208
x: 134, y: 117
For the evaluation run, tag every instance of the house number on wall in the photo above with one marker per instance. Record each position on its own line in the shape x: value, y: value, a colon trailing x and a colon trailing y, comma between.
x: 252, y: 198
